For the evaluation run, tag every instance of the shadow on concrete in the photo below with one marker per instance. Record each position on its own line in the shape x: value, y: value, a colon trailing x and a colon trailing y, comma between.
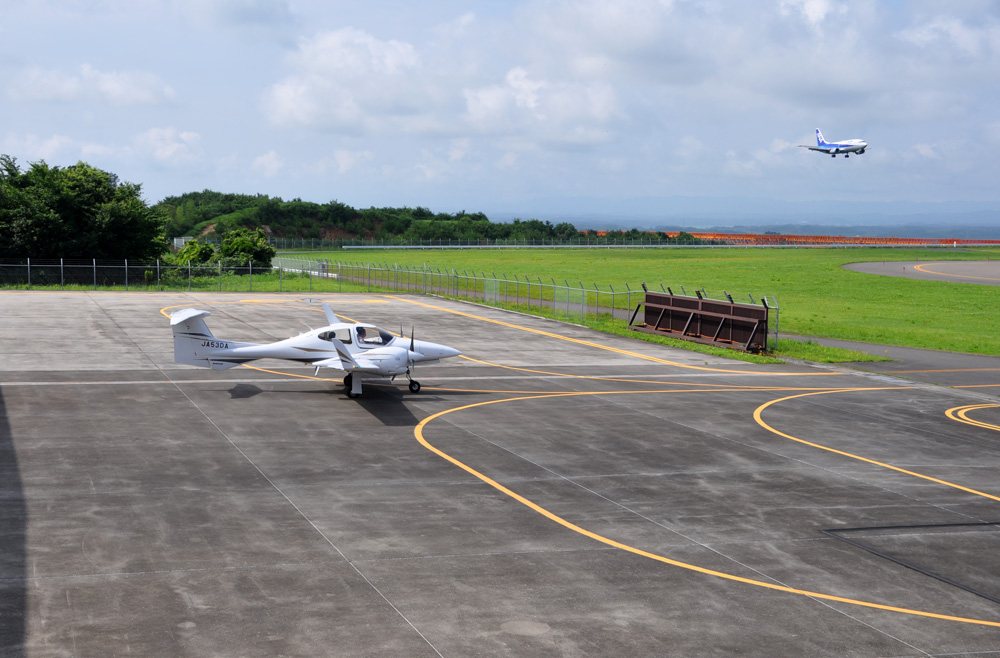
x: 13, y: 531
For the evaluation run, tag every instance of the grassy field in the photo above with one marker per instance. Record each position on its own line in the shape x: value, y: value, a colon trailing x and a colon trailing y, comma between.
x: 817, y: 296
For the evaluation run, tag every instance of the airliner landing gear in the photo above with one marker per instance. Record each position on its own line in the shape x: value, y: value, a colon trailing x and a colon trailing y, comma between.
x: 846, y: 155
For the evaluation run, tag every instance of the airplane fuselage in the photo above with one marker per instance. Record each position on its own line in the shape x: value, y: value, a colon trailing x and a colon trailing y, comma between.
x: 845, y: 147
x: 363, y: 351
x: 391, y: 353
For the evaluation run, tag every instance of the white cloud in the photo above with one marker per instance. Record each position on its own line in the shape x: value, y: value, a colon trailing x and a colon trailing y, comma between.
x: 268, y: 165
x: 624, y: 99
x: 347, y: 160
x: 458, y: 150
x: 234, y: 13
x: 734, y: 166
x: 689, y: 147
x: 992, y: 131
x: 345, y: 79
x: 552, y: 111
x: 953, y: 32
x: 89, y: 84
x: 169, y: 145
x: 507, y: 161
x: 456, y: 28
x: 813, y: 11
x: 33, y: 148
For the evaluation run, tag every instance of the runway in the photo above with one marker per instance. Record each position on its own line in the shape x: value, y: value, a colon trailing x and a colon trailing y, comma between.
x: 553, y: 492
x: 986, y: 272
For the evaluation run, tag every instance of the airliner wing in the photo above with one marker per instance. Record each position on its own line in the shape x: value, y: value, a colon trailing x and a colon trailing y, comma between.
x: 813, y: 148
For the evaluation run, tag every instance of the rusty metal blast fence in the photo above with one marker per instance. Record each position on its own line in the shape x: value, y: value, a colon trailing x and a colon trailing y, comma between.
x: 572, y: 300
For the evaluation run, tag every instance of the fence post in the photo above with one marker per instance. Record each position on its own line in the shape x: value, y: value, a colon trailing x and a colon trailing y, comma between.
x: 250, y: 264
x: 157, y: 273
x: 95, y: 274
x: 29, y: 274
x: 612, y: 301
x: 62, y: 275
x: 126, y: 275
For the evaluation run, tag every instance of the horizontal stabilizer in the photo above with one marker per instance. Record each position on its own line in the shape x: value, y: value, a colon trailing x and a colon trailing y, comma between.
x: 178, y: 317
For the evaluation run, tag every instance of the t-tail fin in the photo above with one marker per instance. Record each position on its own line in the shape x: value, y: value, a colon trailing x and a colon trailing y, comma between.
x: 194, y: 344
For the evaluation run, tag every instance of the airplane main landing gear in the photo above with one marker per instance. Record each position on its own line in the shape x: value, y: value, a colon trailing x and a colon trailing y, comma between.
x: 349, y: 385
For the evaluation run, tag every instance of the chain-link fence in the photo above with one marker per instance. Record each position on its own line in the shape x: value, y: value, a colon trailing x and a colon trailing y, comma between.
x: 563, y: 298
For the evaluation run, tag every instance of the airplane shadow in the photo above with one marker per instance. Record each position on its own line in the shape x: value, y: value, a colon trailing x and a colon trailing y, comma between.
x: 386, y: 403
x: 13, y: 546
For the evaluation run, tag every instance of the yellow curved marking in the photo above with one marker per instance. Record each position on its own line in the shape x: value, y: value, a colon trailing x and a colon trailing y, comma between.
x: 760, y: 421
x: 608, y: 348
x: 959, y: 414
x: 922, y: 268
x: 419, y: 434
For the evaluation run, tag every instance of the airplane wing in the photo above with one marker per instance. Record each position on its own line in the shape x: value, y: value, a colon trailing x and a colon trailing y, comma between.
x: 813, y: 148
x: 344, y: 361
x: 331, y: 363
x: 331, y: 317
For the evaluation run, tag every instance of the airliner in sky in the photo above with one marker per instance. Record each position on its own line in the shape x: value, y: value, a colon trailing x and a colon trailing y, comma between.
x: 846, y: 147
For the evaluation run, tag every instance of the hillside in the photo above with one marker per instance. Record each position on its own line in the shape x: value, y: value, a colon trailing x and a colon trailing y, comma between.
x: 208, y: 214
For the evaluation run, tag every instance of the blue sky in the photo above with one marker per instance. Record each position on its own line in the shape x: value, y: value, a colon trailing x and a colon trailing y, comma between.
x: 537, y: 108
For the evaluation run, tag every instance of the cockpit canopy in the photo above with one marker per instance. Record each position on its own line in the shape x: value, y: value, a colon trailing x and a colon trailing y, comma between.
x: 372, y: 336
x: 365, y: 336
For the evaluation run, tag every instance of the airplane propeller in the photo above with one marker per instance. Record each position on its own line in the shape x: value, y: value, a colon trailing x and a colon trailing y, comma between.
x: 410, y: 363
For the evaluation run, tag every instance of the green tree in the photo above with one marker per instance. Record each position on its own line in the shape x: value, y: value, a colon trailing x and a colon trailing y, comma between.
x: 243, y: 245
x: 195, y: 252
x: 74, y: 212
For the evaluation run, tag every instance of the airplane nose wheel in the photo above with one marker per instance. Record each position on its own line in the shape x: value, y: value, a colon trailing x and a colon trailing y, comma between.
x: 414, y: 385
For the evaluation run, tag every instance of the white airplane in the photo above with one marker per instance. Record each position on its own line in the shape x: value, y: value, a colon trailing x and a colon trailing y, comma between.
x: 362, y: 350
x: 846, y: 147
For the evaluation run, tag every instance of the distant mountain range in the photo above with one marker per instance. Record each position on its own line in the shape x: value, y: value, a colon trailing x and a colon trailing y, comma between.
x: 963, y: 220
